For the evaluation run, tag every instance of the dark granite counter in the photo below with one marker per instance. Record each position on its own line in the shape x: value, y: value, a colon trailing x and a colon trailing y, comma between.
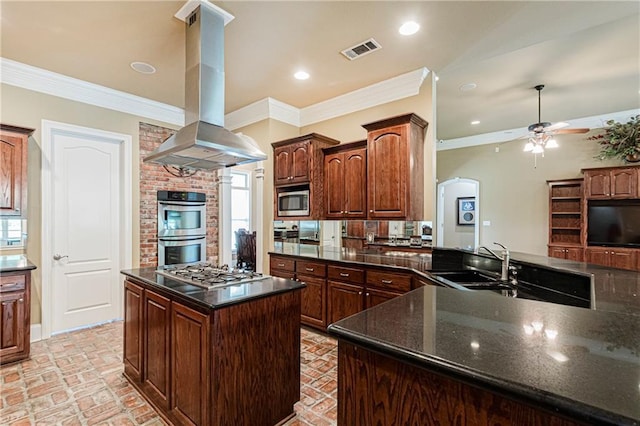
x: 577, y: 362
x: 219, y: 297
x: 15, y: 263
x: 614, y: 290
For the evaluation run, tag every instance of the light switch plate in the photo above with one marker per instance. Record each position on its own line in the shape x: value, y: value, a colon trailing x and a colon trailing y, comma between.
x: 486, y: 223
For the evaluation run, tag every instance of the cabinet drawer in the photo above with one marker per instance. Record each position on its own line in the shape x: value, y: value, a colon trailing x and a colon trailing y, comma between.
x: 282, y: 263
x: 12, y: 282
x: 314, y: 269
x: 290, y: 275
x: 343, y: 274
x: 389, y: 280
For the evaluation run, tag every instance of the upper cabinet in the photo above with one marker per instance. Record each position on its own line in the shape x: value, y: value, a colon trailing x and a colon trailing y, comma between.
x: 13, y: 170
x: 298, y: 165
x: 612, y: 182
x: 395, y: 149
x: 345, y: 174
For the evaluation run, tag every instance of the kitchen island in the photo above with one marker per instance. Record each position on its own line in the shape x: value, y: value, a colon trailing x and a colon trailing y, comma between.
x: 443, y: 356
x: 228, y: 355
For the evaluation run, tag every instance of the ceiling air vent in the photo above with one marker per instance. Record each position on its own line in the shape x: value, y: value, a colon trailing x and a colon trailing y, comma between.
x: 361, y: 49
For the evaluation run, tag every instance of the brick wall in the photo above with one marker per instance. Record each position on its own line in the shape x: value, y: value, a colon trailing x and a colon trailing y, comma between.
x: 153, y: 178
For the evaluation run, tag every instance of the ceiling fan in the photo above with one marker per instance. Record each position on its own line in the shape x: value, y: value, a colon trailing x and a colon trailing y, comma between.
x: 541, y: 133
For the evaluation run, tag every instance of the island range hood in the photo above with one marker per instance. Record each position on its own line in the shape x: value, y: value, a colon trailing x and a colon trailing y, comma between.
x: 204, y: 143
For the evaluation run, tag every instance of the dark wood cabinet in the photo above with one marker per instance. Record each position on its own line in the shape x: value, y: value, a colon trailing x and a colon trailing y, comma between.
x: 133, y: 322
x: 375, y: 297
x: 345, y: 169
x: 190, y: 371
x: 395, y: 168
x: 298, y: 164
x: 566, y: 212
x: 157, y: 334
x: 15, y: 316
x: 570, y: 253
x: 614, y: 257
x: 13, y: 163
x: 611, y: 183
x: 344, y: 300
x: 313, y: 304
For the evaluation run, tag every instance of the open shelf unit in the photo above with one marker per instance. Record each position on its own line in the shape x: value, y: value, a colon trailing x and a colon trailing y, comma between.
x: 566, y: 213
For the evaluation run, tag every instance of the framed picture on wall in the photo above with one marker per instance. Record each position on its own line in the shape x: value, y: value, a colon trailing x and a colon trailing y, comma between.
x: 466, y: 210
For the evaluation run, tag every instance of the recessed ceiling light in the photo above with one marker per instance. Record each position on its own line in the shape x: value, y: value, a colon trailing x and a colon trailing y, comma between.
x: 143, y: 67
x: 475, y: 122
x: 409, y: 28
x: 467, y: 87
x: 301, y: 75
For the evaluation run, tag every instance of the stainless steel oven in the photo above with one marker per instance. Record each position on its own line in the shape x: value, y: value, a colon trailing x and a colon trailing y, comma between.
x: 293, y: 203
x: 182, y: 227
x: 172, y: 251
x: 181, y: 214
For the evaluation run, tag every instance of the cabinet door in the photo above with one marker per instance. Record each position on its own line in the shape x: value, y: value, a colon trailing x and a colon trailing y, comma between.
x: 12, y: 314
x: 133, y: 322
x: 343, y: 300
x: 314, y: 298
x: 282, y: 165
x: 624, y: 183
x: 375, y: 297
x: 597, y: 183
x: 334, y: 191
x: 558, y: 252
x: 300, y: 159
x: 13, y: 184
x: 387, y: 173
x: 355, y: 184
x: 155, y: 379
x: 623, y: 259
x: 574, y: 253
x: 598, y: 256
x: 190, y: 378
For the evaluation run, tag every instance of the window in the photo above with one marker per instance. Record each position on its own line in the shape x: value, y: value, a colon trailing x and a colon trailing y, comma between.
x: 240, y: 203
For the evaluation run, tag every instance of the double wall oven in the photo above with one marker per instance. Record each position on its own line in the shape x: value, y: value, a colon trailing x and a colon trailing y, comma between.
x: 182, y: 227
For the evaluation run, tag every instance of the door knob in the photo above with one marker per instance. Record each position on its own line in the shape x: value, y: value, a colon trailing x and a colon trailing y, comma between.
x: 59, y: 256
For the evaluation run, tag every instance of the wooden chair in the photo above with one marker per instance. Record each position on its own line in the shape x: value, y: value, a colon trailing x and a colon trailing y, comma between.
x: 246, y: 250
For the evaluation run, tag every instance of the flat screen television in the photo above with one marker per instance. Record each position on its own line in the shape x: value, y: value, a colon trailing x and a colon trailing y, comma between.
x: 613, y: 223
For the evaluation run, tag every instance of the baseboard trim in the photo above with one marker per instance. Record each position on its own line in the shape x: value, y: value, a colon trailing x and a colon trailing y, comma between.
x: 36, y: 332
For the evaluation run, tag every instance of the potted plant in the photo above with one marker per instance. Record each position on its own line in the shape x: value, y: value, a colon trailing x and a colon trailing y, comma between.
x: 620, y: 140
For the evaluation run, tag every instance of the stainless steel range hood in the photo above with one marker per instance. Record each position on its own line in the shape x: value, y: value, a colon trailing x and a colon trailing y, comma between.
x: 204, y: 143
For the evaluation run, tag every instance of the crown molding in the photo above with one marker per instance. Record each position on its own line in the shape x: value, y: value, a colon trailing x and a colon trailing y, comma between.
x: 593, y: 122
x: 187, y: 9
x: 261, y: 110
x: 40, y: 80
x: 386, y: 91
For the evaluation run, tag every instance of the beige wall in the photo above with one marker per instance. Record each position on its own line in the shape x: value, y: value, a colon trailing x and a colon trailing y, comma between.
x: 513, y: 193
x: 26, y: 108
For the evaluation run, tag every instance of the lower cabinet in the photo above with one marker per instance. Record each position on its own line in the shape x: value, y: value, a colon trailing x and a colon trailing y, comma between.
x: 313, y: 309
x: 570, y: 253
x: 157, y: 340
x: 344, y: 300
x: 190, y: 380
x: 15, y: 330
x: 613, y: 257
x: 133, y: 322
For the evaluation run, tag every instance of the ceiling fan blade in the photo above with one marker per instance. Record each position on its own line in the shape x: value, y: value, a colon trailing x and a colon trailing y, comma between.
x: 570, y: 131
x: 556, y: 126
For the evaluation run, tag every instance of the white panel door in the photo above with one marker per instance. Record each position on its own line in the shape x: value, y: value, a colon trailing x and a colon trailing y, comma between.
x: 86, y: 240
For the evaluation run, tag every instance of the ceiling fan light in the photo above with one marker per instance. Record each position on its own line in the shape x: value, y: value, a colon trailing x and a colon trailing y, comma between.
x: 528, y: 147
x: 538, y: 149
x: 551, y: 143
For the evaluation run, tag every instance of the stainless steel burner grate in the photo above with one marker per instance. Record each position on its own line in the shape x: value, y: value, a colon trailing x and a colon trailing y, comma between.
x: 209, y: 276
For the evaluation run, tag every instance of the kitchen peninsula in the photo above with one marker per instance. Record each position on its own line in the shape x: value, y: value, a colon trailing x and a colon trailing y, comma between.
x: 443, y: 356
x: 225, y: 355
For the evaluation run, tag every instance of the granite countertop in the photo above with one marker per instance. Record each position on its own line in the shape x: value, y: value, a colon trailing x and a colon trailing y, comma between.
x: 615, y: 290
x: 218, y: 297
x: 15, y: 263
x: 583, y: 363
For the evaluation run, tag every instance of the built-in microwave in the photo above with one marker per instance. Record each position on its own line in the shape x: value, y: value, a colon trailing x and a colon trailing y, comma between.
x: 293, y: 203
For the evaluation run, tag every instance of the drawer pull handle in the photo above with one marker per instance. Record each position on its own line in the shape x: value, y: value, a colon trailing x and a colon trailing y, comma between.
x: 342, y: 274
x: 387, y: 281
x: 281, y: 265
x: 309, y: 269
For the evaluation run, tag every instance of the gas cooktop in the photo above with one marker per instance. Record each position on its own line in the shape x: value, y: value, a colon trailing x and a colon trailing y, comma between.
x: 207, y: 275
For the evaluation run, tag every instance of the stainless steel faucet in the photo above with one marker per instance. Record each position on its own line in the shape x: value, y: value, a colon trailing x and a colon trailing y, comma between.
x: 504, y: 275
